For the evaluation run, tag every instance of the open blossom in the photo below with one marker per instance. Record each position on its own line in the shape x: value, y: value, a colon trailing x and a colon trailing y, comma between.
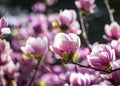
x: 65, y: 43
x: 101, y: 57
x: 112, y: 31
x: 86, y: 5
x: 67, y: 22
x: 35, y: 46
x: 3, y: 26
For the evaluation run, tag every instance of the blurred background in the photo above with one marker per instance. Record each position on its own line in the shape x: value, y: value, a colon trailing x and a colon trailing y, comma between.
x: 16, y: 11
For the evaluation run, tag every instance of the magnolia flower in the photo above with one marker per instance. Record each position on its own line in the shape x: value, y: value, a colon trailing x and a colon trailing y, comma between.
x: 101, y: 57
x: 115, y: 75
x: 38, y: 22
x: 9, y: 74
x: 3, y: 26
x: 116, y: 46
x: 11, y: 69
x: 112, y: 31
x: 35, y: 46
x: 4, y: 47
x: 79, y: 79
x: 49, y: 78
x: 67, y: 17
x: 65, y: 43
x: 5, y: 51
x: 87, y: 5
x: 67, y: 22
x: 3, y: 22
x: 39, y: 7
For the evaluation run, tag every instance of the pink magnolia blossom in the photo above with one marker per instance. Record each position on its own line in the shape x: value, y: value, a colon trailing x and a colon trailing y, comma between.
x: 3, y: 26
x: 87, y: 5
x: 115, y: 75
x: 67, y: 22
x: 3, y: 22
x: 80, y: 79
x: 39, y: 7
x: 9, y: 70
x: 116, y: 46
x: 65, y: 43
x: 5, y: 51
x: 35, y: 46
x: 38, y: 22
x: 112, y: 31
x: 4, y: 47
x: 67, y: 17
x: 101, y: 56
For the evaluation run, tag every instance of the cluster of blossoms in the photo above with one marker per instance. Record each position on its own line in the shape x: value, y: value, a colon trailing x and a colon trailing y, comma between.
x: 47, y: 50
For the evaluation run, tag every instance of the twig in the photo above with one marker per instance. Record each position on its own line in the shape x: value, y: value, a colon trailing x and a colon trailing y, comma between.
x: 89, y: 67
x: 36, y: 68
x: 114, y: 70
x: 108, y: 72
x: 109, y: 10
x: 84, y: 31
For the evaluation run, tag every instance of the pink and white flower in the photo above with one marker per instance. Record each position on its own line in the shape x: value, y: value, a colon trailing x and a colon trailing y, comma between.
x: 65, y: 43
x: 101, y: 56
x: 3, y: 26
x: 35, y: 46
x: 87, y: 5
x: 112, y: 31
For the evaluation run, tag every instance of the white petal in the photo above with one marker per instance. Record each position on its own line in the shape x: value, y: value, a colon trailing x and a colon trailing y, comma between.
x: 5, y: 30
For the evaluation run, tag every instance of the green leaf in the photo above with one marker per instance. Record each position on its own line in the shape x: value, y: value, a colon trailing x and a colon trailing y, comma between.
x: 26, y: 56
x: 15, y: 32
x: 40, y: 57
x: 55, y: 24
x: 76, y: 57
x: 43, y: 83
x: 112, y: 10
x: 65, y: 56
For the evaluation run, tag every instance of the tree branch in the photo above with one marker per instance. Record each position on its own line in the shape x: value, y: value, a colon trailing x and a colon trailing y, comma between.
x: 108, y: 72
x: 84, y: 34
x: 109, y: 10
x: 36, y: 68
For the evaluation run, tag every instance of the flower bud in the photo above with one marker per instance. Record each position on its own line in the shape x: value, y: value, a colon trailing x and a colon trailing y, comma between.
x: 86, y: 5
x: 3, y: 26
x: 67, y: 17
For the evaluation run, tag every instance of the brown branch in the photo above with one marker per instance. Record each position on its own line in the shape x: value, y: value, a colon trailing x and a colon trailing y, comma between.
x: 109, y: 10
x: 89, y: 67
x: 36, y: 68
x: 108, y: 72
x: 84, y: 34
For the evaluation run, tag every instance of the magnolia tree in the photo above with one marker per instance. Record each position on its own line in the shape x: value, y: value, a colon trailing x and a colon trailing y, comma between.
x: 47, y: 50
